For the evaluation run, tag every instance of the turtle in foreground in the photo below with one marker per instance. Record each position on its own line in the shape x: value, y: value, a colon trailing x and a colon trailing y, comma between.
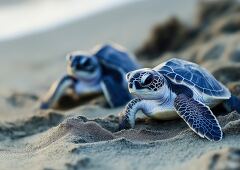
x: 178, y: 88
x: 101, y: 71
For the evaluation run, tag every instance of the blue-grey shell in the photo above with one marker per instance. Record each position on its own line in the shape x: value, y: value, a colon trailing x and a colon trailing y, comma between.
x: 116, y: 59
x: 191, y: 74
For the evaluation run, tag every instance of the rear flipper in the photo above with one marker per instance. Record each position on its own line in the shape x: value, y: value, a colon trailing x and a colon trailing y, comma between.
x: 57, y: 90
x: 232, y: 104
x: 116, y: 95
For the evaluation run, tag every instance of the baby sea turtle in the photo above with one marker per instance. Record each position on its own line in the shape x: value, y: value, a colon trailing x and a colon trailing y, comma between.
x: 102, y: 71
x: 177, y: 88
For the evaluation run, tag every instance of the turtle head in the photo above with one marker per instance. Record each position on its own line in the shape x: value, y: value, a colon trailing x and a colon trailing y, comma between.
x: 146, y: 83
x: 83, y: 66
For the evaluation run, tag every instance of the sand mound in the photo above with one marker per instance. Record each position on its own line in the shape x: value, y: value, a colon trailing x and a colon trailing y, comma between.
x: 147, y: 144
x: 31, y: 126
x: 94, y: 143
x: 79, y: 130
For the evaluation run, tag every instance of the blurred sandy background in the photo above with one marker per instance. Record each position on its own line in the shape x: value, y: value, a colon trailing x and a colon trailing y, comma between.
x: 38, y: 34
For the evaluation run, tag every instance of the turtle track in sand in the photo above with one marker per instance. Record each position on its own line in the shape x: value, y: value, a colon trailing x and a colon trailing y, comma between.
x: 31, y: 126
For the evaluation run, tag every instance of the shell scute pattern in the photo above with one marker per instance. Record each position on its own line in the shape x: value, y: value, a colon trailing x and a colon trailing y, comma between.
x: 117, y: 58
x: 183, y: 71
x: 178, y: 78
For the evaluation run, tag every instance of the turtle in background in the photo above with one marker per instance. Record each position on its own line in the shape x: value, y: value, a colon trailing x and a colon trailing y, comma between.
x: 178, y: 88
x: 100, y: 72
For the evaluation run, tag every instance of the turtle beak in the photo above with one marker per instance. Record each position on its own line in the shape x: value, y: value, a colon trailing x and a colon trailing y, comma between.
x: 69, y: 57
x: 128, y: 76
x: 131, y: 87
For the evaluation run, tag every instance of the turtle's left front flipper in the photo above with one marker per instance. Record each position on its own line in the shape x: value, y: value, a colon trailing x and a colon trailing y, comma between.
x: 57, y: 90
x: 232, y: 104
x: 199, y: 117
x: 114, y: 91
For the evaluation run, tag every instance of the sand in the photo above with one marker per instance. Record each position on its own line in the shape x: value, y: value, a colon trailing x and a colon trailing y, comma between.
x: 87, y: 136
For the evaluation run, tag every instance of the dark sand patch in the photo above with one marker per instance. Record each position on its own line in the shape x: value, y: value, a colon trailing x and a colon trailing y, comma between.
x: 17, y: 99
x: 67, y: 102
x: 227, y: 74
x: 165, y: 37
x: 213, y: 18
x: 222, y: 159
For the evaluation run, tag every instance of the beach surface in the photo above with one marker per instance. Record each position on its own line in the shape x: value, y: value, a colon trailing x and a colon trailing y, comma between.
x: 87, y: 136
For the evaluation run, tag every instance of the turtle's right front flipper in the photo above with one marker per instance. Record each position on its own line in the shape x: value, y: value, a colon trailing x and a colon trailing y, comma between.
x: 57, y: 90
x: 199, y: 117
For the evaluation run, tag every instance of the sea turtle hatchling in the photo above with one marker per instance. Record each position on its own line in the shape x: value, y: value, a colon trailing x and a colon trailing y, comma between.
x: 177, y: 88
x: 101, y: 71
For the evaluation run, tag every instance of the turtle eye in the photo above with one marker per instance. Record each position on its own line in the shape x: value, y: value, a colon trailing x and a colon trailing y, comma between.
x: 148, y: 80
x: 87, y: 63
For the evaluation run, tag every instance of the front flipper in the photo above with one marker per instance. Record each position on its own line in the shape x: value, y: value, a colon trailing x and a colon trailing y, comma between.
x: 57, y: 90
x: 127, y: 116
x: 199, y: 117
x: 114, y: 92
